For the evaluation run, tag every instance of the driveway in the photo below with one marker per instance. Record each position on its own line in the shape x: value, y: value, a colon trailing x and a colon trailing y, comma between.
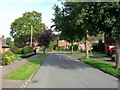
x: 63, y: 71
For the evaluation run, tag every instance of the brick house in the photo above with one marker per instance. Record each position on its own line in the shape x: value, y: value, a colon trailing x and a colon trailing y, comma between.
x: 62, y: 43
x: 81, y: 45
x: 3, y: 46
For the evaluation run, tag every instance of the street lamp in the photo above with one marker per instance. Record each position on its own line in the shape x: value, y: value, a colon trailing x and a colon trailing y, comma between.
x: 31, y: 27
x: 31, y: 30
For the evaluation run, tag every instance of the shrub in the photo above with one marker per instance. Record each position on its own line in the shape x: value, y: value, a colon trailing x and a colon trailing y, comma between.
x: 27, y: 49
x: 8, y: 57
x: 75, y: 47
x: 60, y: 48
x: 99, y: 47
x: 18, y: 51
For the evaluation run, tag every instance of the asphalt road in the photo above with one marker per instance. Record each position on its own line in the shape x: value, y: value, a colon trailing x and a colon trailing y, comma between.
x: 63, y: 71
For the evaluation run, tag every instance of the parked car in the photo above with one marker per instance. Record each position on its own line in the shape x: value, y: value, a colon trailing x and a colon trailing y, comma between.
x: 110, y: 49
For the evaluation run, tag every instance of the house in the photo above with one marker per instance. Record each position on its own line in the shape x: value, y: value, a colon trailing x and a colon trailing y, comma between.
x: 3, y: 46
x: 62, y: 43
x: 81, y: 45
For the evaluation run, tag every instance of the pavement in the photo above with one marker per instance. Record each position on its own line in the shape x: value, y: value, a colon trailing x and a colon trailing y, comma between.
x: 62, y: 71
x: 8, y: 68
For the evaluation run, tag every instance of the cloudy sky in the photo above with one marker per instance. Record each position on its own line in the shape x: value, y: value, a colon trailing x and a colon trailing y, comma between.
x: 13, y: 9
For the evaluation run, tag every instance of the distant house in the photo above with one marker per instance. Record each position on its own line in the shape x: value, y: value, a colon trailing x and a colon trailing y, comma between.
x: 3, y: 46
x: 62, y: 43
x: 81, y: 45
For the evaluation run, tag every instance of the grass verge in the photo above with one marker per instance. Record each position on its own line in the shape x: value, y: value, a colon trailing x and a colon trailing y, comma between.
x: 103, y: 66
x: 42, y: 55
x: 25, y: 71
x: 76, y: 54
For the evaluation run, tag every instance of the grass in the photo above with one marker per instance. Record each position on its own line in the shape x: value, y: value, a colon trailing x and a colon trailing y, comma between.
x: 103, y: 66
x: 42, y: 55
x: 25, y: 71
x: 75, y: 54
x: 18, y: 56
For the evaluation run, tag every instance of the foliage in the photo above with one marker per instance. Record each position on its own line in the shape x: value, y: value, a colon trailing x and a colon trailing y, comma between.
x: 45, y: 38
x: 18, y: 50
x: 75, y: 47
x: 10, y: 42
x: 82, y: 19
x: 60, y: 48
x: 52, y: 44
x: 108, y: 68
x: 28, y: 54
x: 21, y: 27
x: 27, y: 49
x: 100, y: 47
x: 8, y: 57
x: 18, y: 56
x: 25, y: 71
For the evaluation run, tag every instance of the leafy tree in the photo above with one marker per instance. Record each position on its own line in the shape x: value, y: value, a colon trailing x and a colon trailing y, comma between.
x: 10, y: 42
x: 45, y: 38
x: 64, y: 22
x: 21, y: 27
x: 108, y: 21
x: 91, y: 18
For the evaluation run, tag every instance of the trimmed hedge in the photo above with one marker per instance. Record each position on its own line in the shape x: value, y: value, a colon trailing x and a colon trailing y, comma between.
x: 27, y: 49
x: 18, y: 51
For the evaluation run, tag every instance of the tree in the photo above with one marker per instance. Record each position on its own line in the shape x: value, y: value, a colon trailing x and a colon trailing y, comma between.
x: 108, y: 21
x: 64, y: 22
x: 21, y: 27
x: 91, y: 18
x: 45, y: 38
x: 10, y: 42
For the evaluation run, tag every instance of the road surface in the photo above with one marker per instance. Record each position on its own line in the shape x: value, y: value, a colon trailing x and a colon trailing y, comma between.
x: 63, y: 71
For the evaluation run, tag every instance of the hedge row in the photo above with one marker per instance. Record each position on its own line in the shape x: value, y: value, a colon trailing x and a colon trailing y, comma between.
x: 24, y: 50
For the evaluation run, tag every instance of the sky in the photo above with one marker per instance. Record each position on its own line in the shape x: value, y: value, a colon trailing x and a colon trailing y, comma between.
x: 13, y: 9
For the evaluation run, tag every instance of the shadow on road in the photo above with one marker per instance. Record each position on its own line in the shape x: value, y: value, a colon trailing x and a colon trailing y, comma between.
x: 64, y: 62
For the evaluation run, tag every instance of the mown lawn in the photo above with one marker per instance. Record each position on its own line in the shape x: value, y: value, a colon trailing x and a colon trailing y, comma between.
x: 25, y: 71
x: 103, y: 66
x: 42, y: 55
x: 76, y: 54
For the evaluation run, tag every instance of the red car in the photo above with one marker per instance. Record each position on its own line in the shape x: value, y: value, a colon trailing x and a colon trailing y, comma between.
x: 110, y: 49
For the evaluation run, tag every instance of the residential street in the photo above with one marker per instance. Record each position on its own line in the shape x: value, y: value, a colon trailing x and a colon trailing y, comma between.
x: 63, y: 71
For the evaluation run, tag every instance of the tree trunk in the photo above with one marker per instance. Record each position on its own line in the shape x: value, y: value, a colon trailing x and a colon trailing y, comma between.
x: 86, y: 46
x: 118, y: 54
x: 44, y: 50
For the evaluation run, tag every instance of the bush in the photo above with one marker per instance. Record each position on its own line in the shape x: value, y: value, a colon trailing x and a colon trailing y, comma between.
x: 18, y: 51
x: 75, y: 47
x: 99, y: 47
x: 27, y: 49
x: 60, y: 48
x: 8, y: 57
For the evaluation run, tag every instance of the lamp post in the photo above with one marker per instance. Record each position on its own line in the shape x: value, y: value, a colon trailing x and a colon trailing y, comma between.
x: 31, y: 27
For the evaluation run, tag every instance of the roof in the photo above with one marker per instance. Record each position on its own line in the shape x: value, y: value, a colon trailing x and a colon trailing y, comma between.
x: 4, y: 45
